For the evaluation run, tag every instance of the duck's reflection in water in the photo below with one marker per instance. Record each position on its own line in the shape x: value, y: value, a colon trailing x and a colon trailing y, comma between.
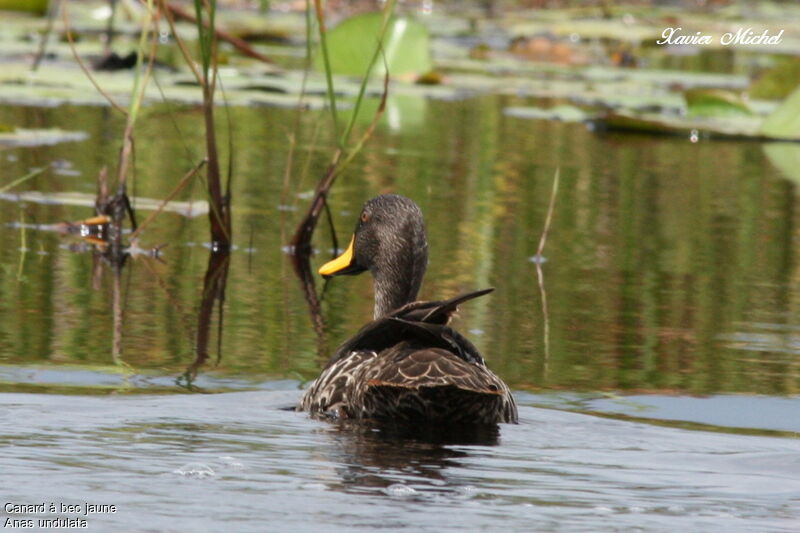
x: 405, y: 461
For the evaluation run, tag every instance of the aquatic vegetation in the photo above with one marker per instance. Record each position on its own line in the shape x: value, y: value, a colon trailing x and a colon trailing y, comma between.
x: 777, y: 82
x: 715, y: 114
x: 563, y: 113
x: 192, y: 208
x: 715, y: 103
x: 351, y: 44
x: 495, y: 120
x: 38, y: 7
x: 784, y: 122
x: 40, y: 137
x: 653, y: 346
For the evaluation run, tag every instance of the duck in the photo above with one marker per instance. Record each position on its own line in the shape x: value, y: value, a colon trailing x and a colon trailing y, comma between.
x: 406, y: 366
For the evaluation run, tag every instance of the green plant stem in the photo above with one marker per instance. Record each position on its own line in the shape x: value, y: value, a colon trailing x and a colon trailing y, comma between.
x: 32, y: 174
x: 299, y: 111
x: 85, y: 70
x: 138, y: 85
x: 181, y: 45
x: 52, y: 10
x: 550, y: 209
x: 387, y: 15
x: 373, y: 124
x: 323, y: 43
x: 23, y: 245
x: 178, y: 188
x: 141, y: 78
x: 540, y: 274
x: 301, y: 241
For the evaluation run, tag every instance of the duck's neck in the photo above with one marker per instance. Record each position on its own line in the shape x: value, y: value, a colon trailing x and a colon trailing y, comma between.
x: 398, y: 283
x: 393, y: 295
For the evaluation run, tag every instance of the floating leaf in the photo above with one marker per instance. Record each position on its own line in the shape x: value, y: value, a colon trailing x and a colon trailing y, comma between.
x: 715, y: 103
x: 784, y: 122
x: 351, y: 45
x: 564, y: 113
x: 779, y: 81
x: 187, y: 209
x: 25, y: 137
x: 741, y: 127
x: 60, y: 84
x: 612, y: 29
x: 786, y: 158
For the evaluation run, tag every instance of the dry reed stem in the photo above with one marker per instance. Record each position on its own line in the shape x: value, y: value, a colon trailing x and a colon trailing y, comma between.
x: 85, y: 70
x: 540, y: 274
x: 178, y: 188
x: 234, y: 41
x: 181, y: 46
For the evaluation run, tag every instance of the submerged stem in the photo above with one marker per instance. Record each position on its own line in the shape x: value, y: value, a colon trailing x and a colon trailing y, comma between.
x: 33, y: 173
x: 540, y: 273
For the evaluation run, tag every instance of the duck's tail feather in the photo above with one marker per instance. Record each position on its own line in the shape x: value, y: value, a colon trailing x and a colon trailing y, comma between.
x: 438, y: 312
x: 448, y: 307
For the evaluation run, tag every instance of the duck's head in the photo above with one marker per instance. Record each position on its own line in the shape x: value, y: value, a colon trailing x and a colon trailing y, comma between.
x: 389, y: 241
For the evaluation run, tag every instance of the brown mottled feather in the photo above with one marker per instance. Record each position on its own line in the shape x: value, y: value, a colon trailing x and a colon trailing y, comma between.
x: 409, y: 371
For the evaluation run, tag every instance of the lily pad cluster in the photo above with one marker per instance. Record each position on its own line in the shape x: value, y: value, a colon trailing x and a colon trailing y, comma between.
x: 599, y: 64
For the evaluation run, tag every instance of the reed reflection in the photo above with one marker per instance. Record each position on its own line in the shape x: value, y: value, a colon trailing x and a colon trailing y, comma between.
x: 214, y: 284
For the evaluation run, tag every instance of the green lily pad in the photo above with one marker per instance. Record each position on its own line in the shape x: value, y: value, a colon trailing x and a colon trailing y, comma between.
x: 779, y: 81
x: 611, y: 29
x: 351, y: 45
x: 786, y: 158
x: 784, y: 122
x: 715, y: 103
x: 26, y: 137
x: 63, y: 83
x: 730, y: 127
x: 188, y: 209
x: 563, y: 113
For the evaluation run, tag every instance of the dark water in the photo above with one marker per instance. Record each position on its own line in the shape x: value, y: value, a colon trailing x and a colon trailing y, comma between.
x: 659, y: 390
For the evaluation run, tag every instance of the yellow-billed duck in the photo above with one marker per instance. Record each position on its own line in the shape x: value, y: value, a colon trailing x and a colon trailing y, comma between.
x: 407, y: 365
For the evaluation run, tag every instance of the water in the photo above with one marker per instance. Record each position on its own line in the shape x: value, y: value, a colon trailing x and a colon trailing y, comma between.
x: 658, y: 388
x: 237, y: 461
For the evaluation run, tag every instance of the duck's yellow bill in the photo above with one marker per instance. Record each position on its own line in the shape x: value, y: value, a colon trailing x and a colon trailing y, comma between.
x: 340, y: 263
x: 95, y: 221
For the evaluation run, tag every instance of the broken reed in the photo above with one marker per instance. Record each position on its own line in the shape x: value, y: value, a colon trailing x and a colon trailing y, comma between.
x: 344, y: 153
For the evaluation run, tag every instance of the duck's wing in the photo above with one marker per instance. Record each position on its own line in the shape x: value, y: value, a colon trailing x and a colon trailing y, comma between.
x: 411, y: 385
x: 331, y: 394
x: 423, y: 324
x: 406, y: 366
x: 386, y: 333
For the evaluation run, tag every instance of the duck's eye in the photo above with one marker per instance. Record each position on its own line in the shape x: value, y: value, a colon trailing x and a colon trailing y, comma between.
x: 364, y: 217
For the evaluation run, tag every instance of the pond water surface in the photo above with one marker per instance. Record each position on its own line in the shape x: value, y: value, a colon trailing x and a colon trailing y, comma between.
x: 658, y: 387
